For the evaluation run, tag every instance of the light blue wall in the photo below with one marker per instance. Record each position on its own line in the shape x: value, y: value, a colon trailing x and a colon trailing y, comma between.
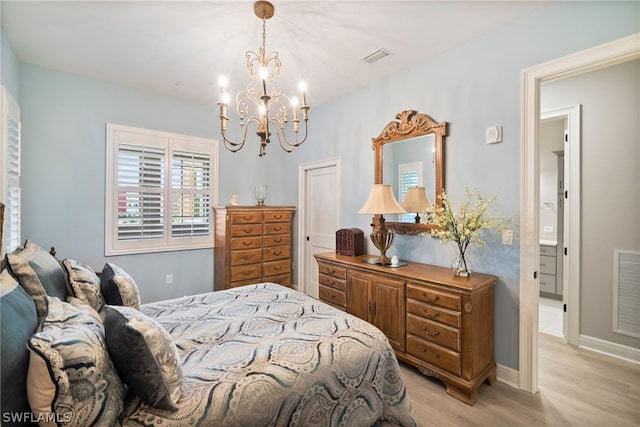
x: 9, y: 66
x: 473, y: 86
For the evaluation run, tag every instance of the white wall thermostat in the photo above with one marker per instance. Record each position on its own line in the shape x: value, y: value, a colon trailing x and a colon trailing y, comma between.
x: 494, y: 134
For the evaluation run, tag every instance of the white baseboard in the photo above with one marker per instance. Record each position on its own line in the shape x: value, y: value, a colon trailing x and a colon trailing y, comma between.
x: 609, y: 348
x: 508, y: 376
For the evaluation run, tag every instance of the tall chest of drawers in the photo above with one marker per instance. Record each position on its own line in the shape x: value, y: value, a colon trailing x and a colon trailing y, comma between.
x: 435, y: 321
x: 252, y: 244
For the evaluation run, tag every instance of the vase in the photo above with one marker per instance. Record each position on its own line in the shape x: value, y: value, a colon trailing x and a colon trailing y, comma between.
x: 261, y: 194
x: 461, y: 265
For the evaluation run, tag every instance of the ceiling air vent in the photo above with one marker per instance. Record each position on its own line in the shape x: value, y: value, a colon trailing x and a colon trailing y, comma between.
x: 376, y: 56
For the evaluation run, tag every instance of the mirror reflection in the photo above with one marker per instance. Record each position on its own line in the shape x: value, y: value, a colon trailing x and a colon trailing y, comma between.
x: 410, y: 163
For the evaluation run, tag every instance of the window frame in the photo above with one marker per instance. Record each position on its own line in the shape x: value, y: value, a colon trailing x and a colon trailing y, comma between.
x: 170, y: 143
x: 10, y: 160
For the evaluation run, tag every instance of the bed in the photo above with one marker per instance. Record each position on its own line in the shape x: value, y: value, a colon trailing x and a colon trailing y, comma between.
x: 258, y: 355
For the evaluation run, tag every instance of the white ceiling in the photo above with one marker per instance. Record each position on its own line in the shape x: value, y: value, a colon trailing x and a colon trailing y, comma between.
x: 180, y: 48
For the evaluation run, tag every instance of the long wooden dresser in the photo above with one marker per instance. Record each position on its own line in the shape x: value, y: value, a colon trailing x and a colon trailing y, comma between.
x: 435, y: 321
x: 252, y: 244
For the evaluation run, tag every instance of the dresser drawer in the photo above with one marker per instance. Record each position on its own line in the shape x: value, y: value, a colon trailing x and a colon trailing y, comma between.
x: 433, y: 297
x: 240, y: 243
x: 332, y: 282
x: 332, y: 270
x: 435, y: 332
x: 246, y: 217
x: 246, y: 272
x: 273, y: 268
x: 246, y: 230
x: 548, y: 283
x: 277, y: 216
x: 276, y: 240
x: 548, y: 264
x: 277, y: 228
x: 281, y: 279
x: 548, y: 250
x: 276, y: 252
x: 332, y: 296
x: 250, y: 256
x: 434, y: 354
x: 437, y: 314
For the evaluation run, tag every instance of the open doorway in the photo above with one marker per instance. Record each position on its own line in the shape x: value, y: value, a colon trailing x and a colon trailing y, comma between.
x: 617, y: 52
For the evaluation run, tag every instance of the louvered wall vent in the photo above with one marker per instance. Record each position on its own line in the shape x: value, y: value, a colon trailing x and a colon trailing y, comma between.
x: 626, y: 292
x: 376, y: 56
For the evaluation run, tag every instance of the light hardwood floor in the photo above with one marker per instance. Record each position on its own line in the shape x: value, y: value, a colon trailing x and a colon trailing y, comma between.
x: 577, y: 388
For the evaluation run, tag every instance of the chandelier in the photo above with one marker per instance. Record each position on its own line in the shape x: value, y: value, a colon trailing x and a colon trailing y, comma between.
x: 258, y: 105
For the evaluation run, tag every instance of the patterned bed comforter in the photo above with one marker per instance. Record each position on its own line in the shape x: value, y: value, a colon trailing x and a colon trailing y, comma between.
x: 265, y: 355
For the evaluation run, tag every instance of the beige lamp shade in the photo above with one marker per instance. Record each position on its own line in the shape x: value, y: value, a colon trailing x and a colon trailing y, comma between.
x: 416, y: 200
x: 381, y: 201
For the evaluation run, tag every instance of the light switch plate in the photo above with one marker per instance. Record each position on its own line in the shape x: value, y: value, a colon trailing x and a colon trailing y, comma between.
x: 494, y: 135
x: 507, y: 237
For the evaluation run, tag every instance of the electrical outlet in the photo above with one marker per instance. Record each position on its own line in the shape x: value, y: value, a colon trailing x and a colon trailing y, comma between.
x: 507, y: 237
x: 169, y: 279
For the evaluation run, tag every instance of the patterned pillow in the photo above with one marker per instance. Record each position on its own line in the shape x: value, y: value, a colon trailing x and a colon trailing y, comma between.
x: 70, y: 372
x: 18, y: 321
x: 156, y: 377
x: 39, y: 274
x: 84, y: 283
x: 118, y: 288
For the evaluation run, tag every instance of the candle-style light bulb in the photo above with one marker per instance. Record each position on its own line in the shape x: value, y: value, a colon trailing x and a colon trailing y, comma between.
x: 294, y: 107
x: 302, y: 87
x: 263, y: 73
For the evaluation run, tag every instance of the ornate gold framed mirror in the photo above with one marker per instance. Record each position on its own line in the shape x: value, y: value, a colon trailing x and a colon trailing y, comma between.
x: 410, y: 152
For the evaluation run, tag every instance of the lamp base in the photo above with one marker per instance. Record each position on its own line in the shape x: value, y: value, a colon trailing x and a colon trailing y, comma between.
x: 374, y: 261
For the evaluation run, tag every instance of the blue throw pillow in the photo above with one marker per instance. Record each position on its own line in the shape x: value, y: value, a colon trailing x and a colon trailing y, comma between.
x: 39, y: 273
x: 18, y: 321
x: 156, y: 375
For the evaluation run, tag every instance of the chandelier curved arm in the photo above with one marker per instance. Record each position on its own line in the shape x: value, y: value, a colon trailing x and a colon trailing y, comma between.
x: 284, y: 142
x: 232, y: 145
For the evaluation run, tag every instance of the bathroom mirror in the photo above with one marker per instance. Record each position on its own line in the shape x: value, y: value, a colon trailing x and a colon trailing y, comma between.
x: 410, y: 146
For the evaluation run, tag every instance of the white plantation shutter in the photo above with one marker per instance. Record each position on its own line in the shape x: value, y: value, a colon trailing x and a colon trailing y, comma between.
x: 191, y: 203
x: 10, y: 179
x: 162, y: 192
x: 140, y: 192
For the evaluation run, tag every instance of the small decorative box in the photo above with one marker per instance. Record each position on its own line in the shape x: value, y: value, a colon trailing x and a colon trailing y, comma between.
x: 349, y: 241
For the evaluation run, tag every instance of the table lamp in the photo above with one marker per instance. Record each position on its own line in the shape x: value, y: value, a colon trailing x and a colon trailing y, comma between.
x: 381, y: 202
x: 417, y: 201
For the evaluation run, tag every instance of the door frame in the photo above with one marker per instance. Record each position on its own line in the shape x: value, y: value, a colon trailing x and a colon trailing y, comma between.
x: 602, y: 56
x: 303, y: 168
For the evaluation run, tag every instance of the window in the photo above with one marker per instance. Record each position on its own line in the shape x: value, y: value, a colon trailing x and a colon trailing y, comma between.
x: 409, y: 175
x: 160, y: 191
x: 10, y: 172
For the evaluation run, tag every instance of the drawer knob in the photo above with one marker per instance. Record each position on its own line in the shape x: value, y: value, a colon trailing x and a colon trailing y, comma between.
x: 431, y: 334
x: 432, y: 315
x: 277, y: 252
x: 277, y: 240
x: 247, y: 218
x: 331, y: 296
x: 277, y: 228
x: 277, y: 216
x: 278, y: 268
x: 426, y: 297
x: 247, y: 257
x: 247, y: 243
